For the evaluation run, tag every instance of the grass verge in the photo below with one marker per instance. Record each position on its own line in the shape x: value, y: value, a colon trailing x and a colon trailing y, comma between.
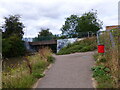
x: 102, y: 73
x: 110, y: 59
x: 27, y: 73
x: 88, y: 44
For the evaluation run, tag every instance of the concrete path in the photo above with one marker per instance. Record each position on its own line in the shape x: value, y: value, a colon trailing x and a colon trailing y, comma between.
x: 69, y: 71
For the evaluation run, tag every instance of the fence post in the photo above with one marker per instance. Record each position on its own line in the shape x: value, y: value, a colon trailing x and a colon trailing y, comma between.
x: 98, y: 37
x: 112, y: 40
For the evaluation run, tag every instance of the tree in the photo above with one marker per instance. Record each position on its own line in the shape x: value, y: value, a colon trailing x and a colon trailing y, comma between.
x: 76, y: 26
x: 88, y: 22
x: 69, y: 29
x: 12, y: 44
x: 44, y: 34
x: 13, y: 26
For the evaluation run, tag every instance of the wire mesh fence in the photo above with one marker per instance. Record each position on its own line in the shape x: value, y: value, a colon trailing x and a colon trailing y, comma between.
x: 111, y: 40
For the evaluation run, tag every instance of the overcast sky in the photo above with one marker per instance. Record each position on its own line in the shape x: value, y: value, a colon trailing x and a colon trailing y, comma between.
x: 51, y: 14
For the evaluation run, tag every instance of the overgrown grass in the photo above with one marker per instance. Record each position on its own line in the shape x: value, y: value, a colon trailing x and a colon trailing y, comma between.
x: 110, y: 59
x: 102, y: 73
x: 88, y: 44
x: 27, y: 73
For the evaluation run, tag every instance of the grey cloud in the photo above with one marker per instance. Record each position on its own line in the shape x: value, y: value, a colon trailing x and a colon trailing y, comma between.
x: 51, y: 14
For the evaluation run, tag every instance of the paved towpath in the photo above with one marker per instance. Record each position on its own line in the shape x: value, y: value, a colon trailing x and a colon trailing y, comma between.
x: 69, y: 71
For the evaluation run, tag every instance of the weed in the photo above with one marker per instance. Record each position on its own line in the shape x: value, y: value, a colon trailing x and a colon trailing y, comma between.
x: 38, y: 75
x: 111, y: 56
x: 51, y: 59
x: 27, y: 73
x: 102, y: 76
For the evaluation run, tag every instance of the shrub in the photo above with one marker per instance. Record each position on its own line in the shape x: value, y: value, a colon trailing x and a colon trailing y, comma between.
x: 88, y: 44
x: 86, y: 48
x: 13, y: 44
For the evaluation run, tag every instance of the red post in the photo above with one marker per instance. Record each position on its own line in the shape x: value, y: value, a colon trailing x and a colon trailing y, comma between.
x: 101, y: 49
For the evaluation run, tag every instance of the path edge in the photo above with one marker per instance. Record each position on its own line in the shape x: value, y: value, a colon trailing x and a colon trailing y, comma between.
x: 36, y: 84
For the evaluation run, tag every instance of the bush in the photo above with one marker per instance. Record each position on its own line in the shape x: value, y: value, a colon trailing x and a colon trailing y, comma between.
x: 13, y: 47
x: 88, y: 44
x: 86, y: 48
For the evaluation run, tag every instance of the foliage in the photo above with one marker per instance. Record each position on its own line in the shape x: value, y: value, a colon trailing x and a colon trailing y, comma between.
x: 102, y: 76
x: 110, y: 39
x: 70, y: 26
x: 89, y: 22
x: 44, y: 34
x: 62, y: 37
x: 100, y: 58
x: 88, y: 44
x: 12, y: 46
x: 75, y: 26
x: 13, y: 26
x: 18, y: 77
x: 51, y: 59
x: 12, y: 34
x: 102, y: 72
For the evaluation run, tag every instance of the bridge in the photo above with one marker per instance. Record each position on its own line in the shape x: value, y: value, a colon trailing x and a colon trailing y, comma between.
x: 55, y: 45
x: 41, y: 44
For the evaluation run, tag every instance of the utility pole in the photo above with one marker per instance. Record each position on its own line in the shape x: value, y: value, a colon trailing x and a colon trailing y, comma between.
x: 119, y: 58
